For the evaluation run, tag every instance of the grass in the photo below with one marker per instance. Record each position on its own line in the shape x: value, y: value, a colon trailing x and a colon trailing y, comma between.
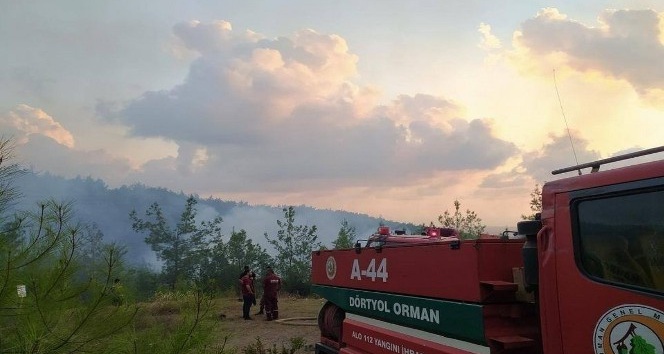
x: 162, y: 325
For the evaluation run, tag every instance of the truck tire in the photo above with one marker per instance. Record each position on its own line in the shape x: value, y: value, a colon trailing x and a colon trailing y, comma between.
x: 330, y: 320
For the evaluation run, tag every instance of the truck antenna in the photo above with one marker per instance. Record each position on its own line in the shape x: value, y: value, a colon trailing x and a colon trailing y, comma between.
x: 560, y: 102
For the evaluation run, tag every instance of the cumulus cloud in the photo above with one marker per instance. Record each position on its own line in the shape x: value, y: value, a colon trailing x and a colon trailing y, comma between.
x: 625, y: 45
x: 535, y: 166
x: 44, y: 144
x: 489, y: 41
x: 45, y: 155
x: 556, y: 154
x: 257, y: 114
x: 25, y: 121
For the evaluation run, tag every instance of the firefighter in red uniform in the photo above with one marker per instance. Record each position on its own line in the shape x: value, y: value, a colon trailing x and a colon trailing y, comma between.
x: 271, y: 287
x: 248, y: 295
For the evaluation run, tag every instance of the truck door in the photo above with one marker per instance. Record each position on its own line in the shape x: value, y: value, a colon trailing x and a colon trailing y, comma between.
x: 610, y: 268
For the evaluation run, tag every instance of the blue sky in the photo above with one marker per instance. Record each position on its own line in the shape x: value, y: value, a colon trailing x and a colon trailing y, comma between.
x: 381, y: 107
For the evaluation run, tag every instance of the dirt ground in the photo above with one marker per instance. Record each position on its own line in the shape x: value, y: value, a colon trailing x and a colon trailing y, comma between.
x: 297, y: 319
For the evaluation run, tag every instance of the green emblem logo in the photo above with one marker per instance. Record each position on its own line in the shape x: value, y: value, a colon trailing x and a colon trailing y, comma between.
x: 630, y: 329
x: 331, y: 267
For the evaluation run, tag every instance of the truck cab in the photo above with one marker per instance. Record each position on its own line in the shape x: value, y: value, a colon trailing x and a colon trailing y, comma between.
x: 601, y: 264
x: 586, y: 277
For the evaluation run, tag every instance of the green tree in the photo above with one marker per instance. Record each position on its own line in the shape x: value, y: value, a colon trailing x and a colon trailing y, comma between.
x: 142, y: 282
x: 469, y: 224
x: 242, y: 251
x: 345, y: 237
x: 535, y: 203
x: 182, y: 248
x: 91, y: 250
x: 44, y: 306
x: 227, y: 260
x: 9, y: 172
x: 294, y: 244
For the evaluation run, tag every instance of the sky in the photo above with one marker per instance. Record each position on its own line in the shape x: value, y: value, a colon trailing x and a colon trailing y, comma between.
x: 392, y: 109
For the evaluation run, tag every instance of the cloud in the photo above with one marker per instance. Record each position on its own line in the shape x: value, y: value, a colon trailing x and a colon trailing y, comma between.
x: 558, y: 153
x: 25, y: 121
x: 535, y: 166
x: 215, y: 37
x: 44, y: 144
x: 625, y: 45
x: 284, y: 114
x: 489, y: 41
x: 44, y: 155
x: 504, y: 180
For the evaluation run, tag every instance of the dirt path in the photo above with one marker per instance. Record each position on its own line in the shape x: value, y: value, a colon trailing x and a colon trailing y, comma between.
x: 240, y: 333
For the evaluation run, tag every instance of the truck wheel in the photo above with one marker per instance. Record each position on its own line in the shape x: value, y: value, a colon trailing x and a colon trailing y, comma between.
x: 330, y: 320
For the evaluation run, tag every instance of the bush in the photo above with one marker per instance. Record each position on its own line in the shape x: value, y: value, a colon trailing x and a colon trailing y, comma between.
x: 258, y: 348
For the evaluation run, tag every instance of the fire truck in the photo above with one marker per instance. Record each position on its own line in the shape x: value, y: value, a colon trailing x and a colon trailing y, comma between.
x: 587, y: 276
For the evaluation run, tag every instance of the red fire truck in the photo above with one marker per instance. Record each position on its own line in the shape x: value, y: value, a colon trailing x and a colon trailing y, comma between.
x: 586, y: 277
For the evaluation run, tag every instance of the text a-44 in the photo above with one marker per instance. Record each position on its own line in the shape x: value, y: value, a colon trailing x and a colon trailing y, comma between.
x: 370, y: 271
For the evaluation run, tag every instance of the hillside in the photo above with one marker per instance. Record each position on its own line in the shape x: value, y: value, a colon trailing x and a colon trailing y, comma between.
x: 109, y: 208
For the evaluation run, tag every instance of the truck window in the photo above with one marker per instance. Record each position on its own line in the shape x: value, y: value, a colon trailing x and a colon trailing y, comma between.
x: 620, y: 239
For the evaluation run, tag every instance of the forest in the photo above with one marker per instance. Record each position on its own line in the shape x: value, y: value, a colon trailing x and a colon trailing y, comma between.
x: 66, y: 286
x: 82, y: 264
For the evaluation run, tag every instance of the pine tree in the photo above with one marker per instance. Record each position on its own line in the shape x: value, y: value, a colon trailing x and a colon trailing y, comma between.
x: 45, y: 305
x: 227, y: 260
x: 345, y: 237
x: 469, y: 224
x: 535, y: 203
x: 9, y: 172
x: 242, y: 251
x: 183, y: 248
x: 294, y: 244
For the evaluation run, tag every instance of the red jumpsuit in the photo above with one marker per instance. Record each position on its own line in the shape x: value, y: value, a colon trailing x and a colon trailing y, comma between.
x: 248, y: 295
x: 271, y: 287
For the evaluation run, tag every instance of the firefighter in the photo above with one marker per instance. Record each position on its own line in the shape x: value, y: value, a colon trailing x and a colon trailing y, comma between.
x: 271, y: 287
x: 253, y: 285
x: 248, y: 295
